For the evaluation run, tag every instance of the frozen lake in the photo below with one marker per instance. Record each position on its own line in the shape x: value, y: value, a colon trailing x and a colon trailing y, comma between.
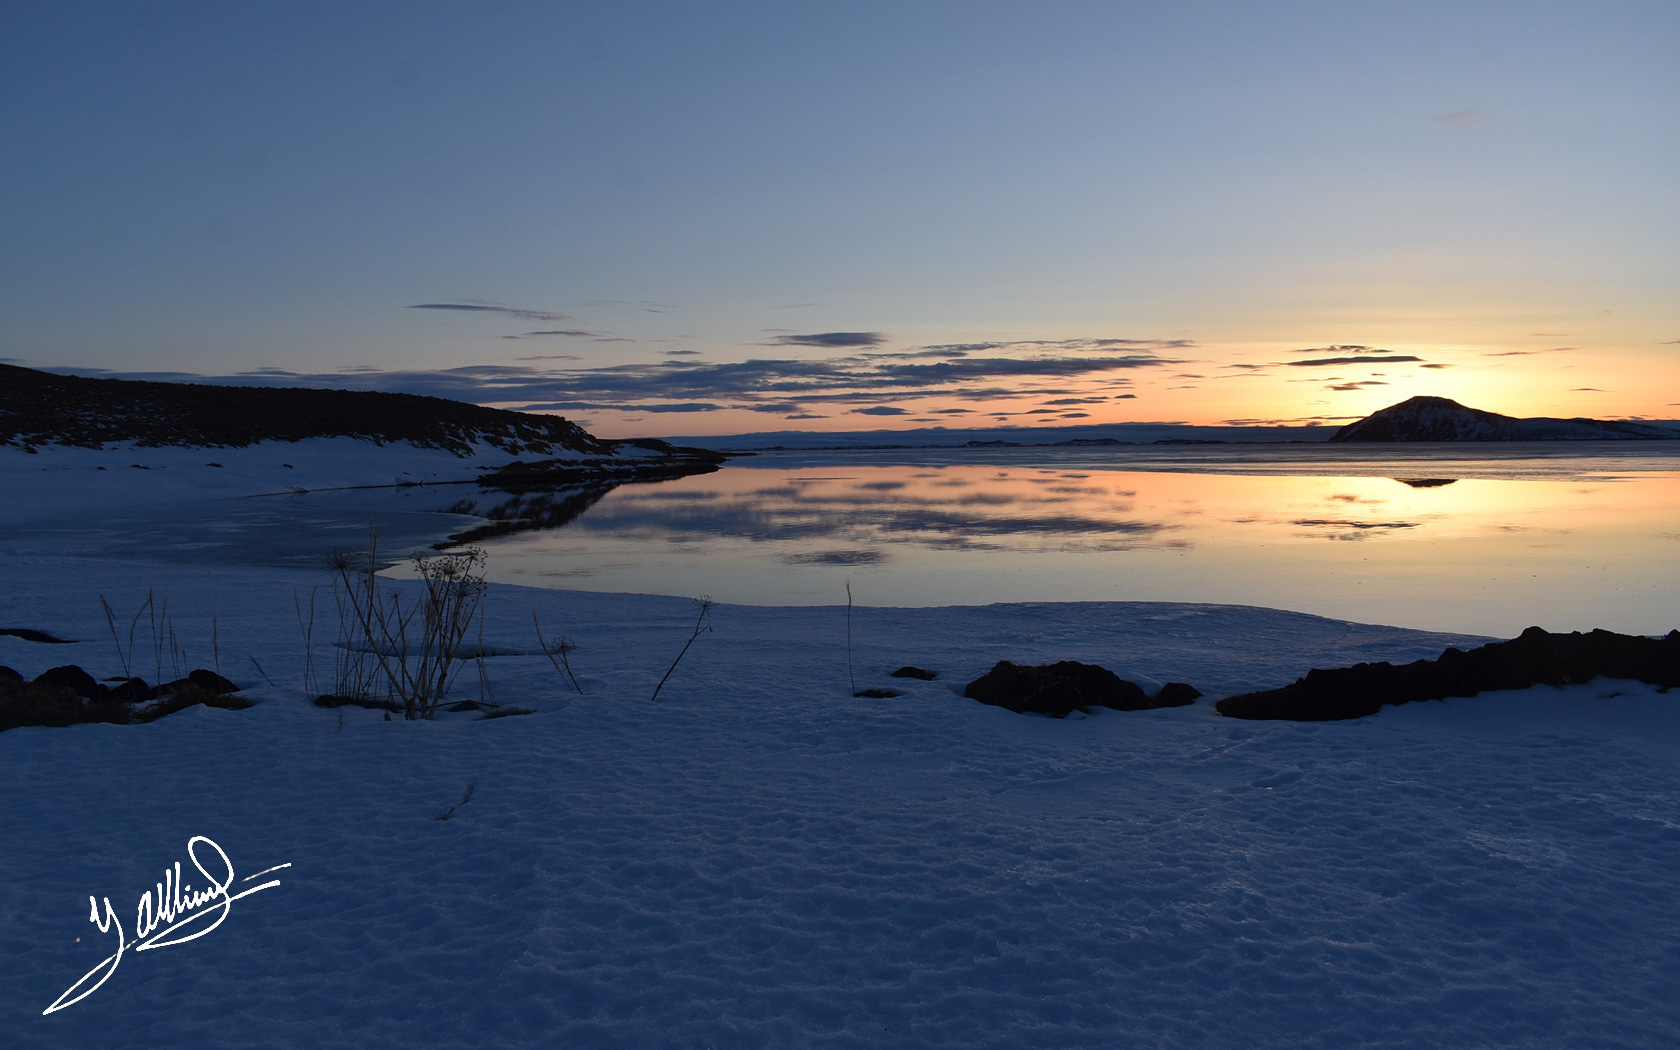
x: 1445, y: 541
x: 1474, y: 538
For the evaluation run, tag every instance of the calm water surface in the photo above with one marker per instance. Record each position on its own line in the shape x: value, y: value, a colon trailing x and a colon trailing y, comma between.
x: 1471, y: 538
x: 1452, y: 538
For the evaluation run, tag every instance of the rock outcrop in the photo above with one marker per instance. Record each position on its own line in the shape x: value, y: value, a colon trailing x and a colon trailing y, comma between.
x: 1537, y: 657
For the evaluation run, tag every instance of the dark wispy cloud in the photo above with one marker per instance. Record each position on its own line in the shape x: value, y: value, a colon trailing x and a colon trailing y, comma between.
x: 681, y: 353
x: 1356, y: 385
x: 1063, y: 344
x: 1343, y: 348
x: 551, y: 357
x: 1296, y: 421
x: 574, y: 332
x: 576, y: 406
x: 1530, y: 353
x: 1586, y: 390
x: 831, y: 340
x: 1077, y: 401
x: 1462, y: 118
x: 488, y: 308
x: 879, y: 410
x: 681, y: 381
x: 1320, y: 362
x: 1434, y: 364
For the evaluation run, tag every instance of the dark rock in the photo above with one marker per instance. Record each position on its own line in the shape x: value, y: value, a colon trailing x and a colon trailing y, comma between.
x: 1056, y: 689
x: 1535, y: 658
x: 909, y: 671
x: 877, y: 694
x: 74, y: 679
x: 346, y: 700
x: 132, y: 691
x: 31, y: 635
x: 202, y: 678
x: 1177, y: 694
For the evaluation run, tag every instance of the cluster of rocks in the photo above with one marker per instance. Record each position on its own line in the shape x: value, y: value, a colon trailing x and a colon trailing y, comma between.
x: 69, y: 695
x: 1061, y: 688
x: 1537, y: 657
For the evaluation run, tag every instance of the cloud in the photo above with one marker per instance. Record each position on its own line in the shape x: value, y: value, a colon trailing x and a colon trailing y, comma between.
x: 572, y: 406
x: 953, y: 411
x: 1529, y: 353
x: 1586, y: 390
x: 878, y: 410
x: 509, y: 311
x: 831, y: 340
x: 681, y: 353
x: 1344, y: 348
x: 1462, y: 117
x: 1309, y: 421
x: 687, y: 383
x: 1319, y: 362
x: 1066, y: 344
x: 1122, y: 397
x: 1434, y: 364
x: 551, y: 357
x: 567, y: 331
x: 1077, y: 401
x: 805, y: 415
x: 1356, y: 385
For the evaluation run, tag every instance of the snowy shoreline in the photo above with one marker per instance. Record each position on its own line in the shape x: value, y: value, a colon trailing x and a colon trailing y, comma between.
x: 761, y: 860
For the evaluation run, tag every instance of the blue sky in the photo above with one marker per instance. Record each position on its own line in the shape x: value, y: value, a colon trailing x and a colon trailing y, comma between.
x: 671, y: 217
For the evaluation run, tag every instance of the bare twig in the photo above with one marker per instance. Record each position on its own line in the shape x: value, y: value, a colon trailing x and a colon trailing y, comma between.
x: 558, y: 653
x: 307, y: 626
x: 700, y: 627
x: 465, y: 798
x: 260, y: 671
x: 849, y: 675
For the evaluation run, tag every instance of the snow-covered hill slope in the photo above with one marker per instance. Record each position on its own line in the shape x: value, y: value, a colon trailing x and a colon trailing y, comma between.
x: 42, y: 408
x: 1442, y: 419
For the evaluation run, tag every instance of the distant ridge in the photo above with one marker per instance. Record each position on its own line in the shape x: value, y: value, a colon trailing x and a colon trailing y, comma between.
x: 1442, y: 419
x: 43, y: 408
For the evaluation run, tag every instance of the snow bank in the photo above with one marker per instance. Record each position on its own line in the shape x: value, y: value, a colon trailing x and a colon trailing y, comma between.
x: 761, y: 860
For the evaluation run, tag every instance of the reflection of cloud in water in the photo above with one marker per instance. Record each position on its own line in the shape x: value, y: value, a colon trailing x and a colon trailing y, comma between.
x: 835, y: 558
x: 1320, y: 522
x: 993, y: 519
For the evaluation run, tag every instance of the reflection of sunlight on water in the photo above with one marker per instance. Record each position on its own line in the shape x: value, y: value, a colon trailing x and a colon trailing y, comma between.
x: 1418, y: 550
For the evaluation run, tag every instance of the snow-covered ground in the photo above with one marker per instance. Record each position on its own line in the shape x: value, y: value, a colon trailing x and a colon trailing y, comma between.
x: 761, y: 860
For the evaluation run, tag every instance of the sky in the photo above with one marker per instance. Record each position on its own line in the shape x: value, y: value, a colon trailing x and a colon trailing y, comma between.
x: 667, y: 218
